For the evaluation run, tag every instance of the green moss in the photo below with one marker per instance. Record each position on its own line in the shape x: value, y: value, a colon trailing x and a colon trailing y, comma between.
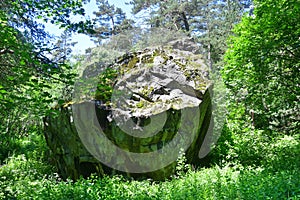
x: 146, y: 91
x: 140, y: 104
x: 132, y: 63
x: 147, y: 58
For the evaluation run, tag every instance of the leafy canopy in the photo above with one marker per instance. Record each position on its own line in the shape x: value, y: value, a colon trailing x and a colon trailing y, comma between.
x: 263, y: 64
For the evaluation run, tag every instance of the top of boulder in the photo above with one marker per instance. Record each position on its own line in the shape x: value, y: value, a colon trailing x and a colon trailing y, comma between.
x: 157, y: 79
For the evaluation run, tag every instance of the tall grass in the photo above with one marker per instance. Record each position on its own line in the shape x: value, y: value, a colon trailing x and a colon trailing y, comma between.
x: 276, y: 176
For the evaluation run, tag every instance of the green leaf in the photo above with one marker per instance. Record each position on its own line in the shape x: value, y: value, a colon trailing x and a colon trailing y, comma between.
x: 10, y: 78
x: 60, y: 102
x: 22, y: 62
x: 47, y: 94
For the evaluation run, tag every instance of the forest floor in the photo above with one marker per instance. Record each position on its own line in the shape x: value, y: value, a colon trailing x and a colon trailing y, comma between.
x: 26, y: 174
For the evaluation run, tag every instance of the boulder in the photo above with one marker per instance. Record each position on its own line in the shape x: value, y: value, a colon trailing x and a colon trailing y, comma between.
x: 147, y: 108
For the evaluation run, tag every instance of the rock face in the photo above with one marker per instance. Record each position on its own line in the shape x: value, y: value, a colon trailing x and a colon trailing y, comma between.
x: 157, y: 102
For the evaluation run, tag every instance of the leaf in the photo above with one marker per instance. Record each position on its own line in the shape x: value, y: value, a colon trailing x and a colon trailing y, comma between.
x: 60, y: 102
x: 10, y: 78
x: 22, y: 62
x: 47, y: 94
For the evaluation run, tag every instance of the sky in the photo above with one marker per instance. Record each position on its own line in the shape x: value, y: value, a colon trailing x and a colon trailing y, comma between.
x: 84, y: 41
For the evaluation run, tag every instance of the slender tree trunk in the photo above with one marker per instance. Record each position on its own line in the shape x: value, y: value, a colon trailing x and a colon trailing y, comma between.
x: 209, y: 44
x: 113, y: 26
x: 185, y: 20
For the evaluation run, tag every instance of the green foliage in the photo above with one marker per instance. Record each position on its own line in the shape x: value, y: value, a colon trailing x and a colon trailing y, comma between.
x: 209, y: 21
x: 168, y: 14
x: 157, y: 37
x: 181, y: 165
x: 19, y: 175
x: 254, y: 167
x: 255, y: 148
x: 250, y: 161
x: 262, y: 69
x: 27, y: 139
x: 105, y: 85
x: 241, y: 143
x: 30, y: 79
x: 26, y: 69
x: 109, y: 21
x: 23, y: 179
x: 25, y: 14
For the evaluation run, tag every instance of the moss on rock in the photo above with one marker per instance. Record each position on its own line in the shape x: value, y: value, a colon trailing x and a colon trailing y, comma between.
x: 157, y: 81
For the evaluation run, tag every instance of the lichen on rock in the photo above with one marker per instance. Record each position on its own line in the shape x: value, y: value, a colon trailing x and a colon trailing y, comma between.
x: 145, y: 102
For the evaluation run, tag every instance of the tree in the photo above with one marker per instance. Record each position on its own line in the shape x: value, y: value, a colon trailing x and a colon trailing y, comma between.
x: 262, y: 69
x: 109, y: 21
x: 27, y: 72
x: 25, y: 45
x: 208, y: 21
x: 63, y: 48
x: 213, y: 21
x: 172, y: 14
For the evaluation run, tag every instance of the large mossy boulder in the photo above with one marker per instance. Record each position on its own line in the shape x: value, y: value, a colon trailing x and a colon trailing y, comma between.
x: 147, y: 107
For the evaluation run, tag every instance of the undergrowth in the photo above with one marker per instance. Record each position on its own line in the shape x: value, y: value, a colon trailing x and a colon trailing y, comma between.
x: 242, y: 174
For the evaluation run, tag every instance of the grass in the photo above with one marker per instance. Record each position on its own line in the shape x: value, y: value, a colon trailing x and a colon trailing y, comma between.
x: 246, y: 164
x: 26, y: 179
x: 276, y: 177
